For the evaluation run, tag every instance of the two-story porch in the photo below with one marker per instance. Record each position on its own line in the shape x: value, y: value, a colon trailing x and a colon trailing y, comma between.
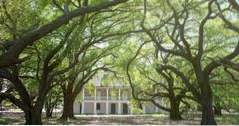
x: 105, y: 100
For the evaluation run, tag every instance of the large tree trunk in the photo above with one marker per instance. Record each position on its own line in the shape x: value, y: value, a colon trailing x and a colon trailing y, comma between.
x: 28, y: 118
x: 174, y: 113
x: 206, y: 98
x: 33, y: 117
x: 207, y: 114
x: 1, y: 83
x: 36, y: 120
x: 68, y: 107
x: 207, y: 106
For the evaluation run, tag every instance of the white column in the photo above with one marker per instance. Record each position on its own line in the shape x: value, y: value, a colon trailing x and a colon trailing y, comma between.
x: 82, y: 107
x: 107, y: 94
x: 95, y: 94
x: 119, y: 105
x: 144, y: 108
x: 107, y: 102
x: 157, y: 109
x: 83, y: 94
x: 83, y: 103
x: 95, y: 102
x: 95, y: 108
x: 119, y: 95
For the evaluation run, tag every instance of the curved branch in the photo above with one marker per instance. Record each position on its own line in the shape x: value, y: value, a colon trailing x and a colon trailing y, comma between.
x: 201, y: 30
x: 128, y: 74
x: 17, y: 46
x: 11, y: 98
x: 183, y: 78
x: 234, y: 4
x: 160, y: 106
x: 22, y: 91
x: 214, y: 64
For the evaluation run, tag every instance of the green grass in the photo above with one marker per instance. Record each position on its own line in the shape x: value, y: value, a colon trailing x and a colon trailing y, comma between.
x: 228, y: 119
x: 6, y: 121
x: 149, y: 119
x: 3, y: 121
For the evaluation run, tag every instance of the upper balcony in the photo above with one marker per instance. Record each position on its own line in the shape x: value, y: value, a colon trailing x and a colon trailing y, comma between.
x: 107, y: 93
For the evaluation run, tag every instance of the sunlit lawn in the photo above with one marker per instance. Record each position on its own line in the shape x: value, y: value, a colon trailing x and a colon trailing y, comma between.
x: 152, y: 119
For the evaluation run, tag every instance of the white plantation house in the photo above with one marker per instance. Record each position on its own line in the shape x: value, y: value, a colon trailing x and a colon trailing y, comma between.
x: 111, y: 99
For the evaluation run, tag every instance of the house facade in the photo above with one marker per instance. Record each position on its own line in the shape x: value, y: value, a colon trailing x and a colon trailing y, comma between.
x: 110, y: 99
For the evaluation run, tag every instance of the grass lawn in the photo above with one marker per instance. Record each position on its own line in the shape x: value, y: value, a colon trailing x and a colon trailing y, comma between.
x: 152, y: 119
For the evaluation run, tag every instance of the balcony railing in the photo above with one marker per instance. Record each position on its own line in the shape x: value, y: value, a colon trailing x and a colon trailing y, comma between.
x: 124, y: 98
x: 113, y: 98
x: 89, y: 98
x: 105, y: 98
x: 101, y: 97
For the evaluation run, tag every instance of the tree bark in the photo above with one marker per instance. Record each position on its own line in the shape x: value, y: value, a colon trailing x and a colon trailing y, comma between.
x: 1, y: 84
x: 206, y: 98
x: 207, y: 106
x: 68, y: 111
x: 36, y: 110
x: 174, y: 113
x: 28, y: 117
x: 207, y: 114
x: 33, y: 117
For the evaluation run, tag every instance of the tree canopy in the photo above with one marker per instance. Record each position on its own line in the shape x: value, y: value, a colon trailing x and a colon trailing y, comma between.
x: 177, y: 54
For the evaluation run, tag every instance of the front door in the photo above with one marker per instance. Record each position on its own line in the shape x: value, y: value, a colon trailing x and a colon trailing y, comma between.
x: 125, y: 108
x: 98, y: 108
x: 113, y: 108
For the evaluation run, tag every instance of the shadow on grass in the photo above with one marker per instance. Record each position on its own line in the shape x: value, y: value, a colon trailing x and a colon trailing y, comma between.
x: 9, y: 121
x: 228, y: 119
x: 158, y: 119
x: 118, y: 120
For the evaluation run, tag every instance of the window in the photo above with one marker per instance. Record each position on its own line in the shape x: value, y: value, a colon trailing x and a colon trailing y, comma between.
x: 98, y: 106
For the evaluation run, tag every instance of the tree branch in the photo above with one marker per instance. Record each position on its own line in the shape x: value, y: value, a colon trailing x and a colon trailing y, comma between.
x: 17, y: 46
